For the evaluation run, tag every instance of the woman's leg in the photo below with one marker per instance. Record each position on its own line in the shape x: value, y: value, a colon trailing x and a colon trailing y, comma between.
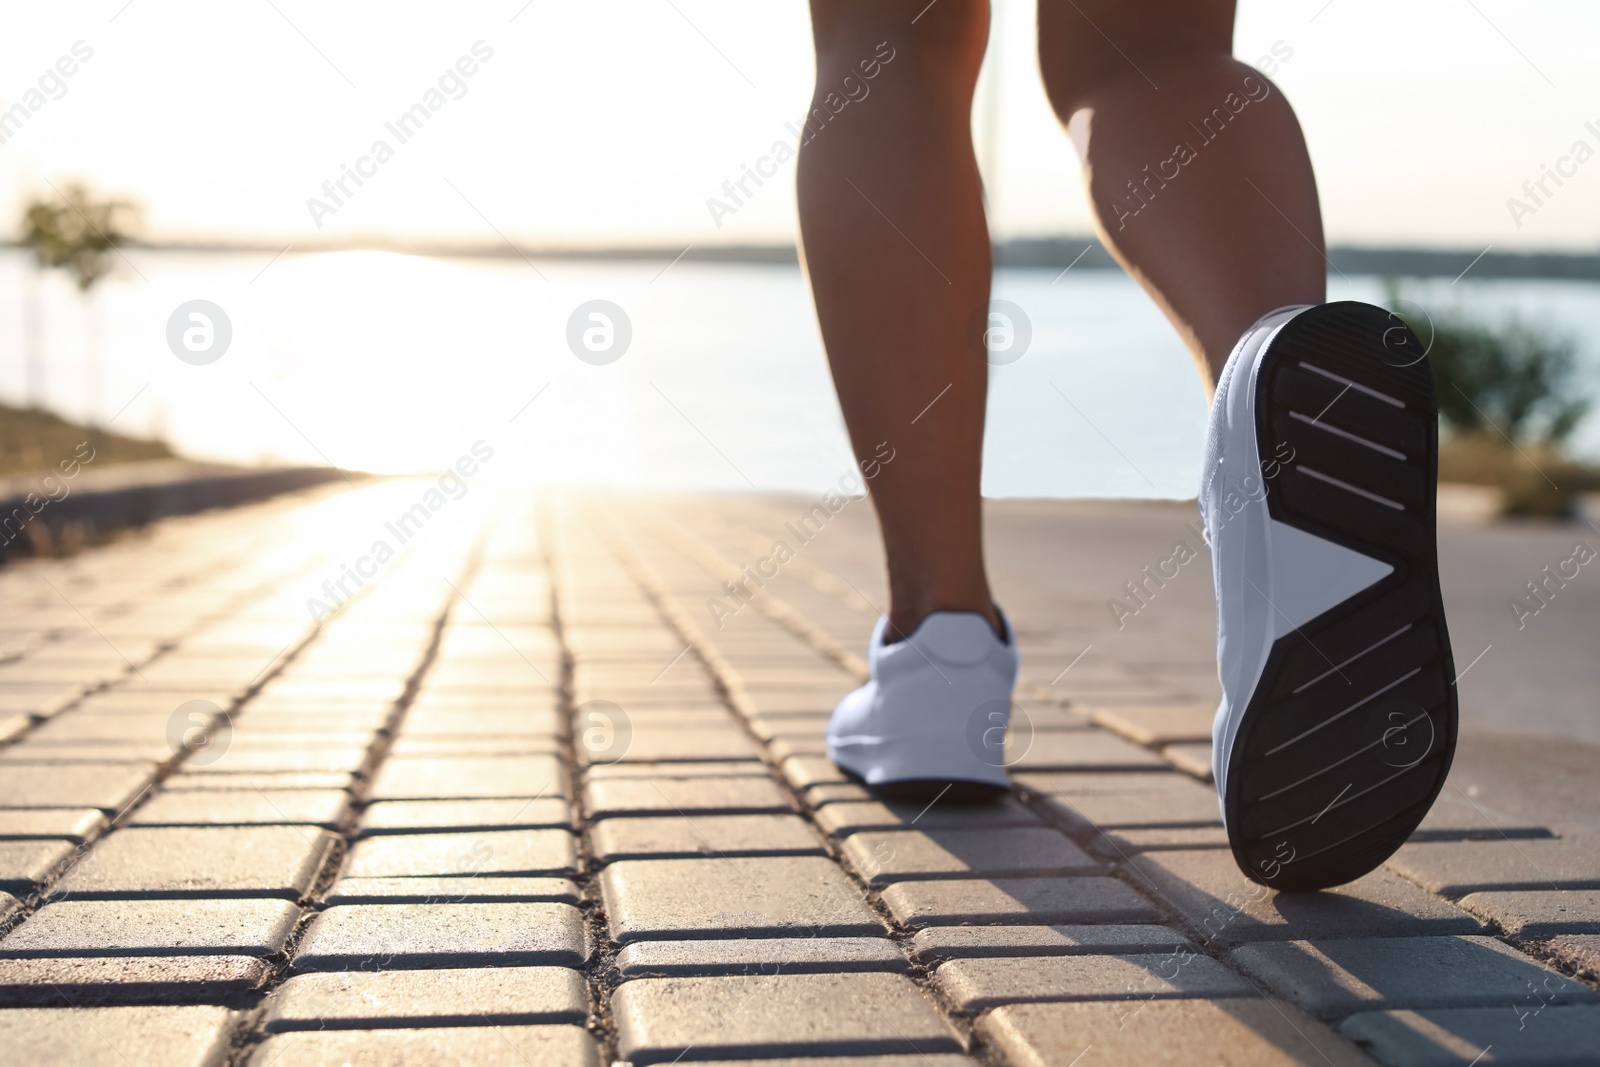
x: 897, y: 250
x: 1194, y: 162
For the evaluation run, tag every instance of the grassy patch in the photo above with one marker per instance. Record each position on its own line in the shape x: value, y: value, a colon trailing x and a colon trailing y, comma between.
x: 34, y: 440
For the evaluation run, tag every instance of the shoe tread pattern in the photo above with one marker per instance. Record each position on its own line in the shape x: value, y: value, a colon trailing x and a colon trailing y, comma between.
x: 1348, y: 737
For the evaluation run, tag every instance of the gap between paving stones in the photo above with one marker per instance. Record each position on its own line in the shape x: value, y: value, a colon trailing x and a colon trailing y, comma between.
x: 41, y: 894
x: 241, y: 601
x: 596, y: 972
x: 725, y: 680
x: 247, y: 1029
x: 700, y: 551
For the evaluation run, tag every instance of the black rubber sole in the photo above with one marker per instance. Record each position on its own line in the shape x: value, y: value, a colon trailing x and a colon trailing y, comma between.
x: 1349, y: 735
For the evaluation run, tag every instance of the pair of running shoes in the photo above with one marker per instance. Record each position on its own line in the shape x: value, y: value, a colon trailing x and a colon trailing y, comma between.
x: 1338, y: 717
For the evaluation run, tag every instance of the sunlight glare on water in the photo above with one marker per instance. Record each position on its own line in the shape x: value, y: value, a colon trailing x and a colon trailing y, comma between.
x: 398, y: 364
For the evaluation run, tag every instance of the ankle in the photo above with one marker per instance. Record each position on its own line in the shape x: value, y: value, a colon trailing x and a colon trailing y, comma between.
x: 904, y: 620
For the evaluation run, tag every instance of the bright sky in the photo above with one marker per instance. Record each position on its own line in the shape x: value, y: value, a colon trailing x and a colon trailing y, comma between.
x: 614, y: 121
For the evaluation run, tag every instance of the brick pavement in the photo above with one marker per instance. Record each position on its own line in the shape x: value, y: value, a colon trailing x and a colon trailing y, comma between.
x: 528, y: 797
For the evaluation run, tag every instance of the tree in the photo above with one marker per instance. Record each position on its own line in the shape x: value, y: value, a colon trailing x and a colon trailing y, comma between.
x: 77, y: 233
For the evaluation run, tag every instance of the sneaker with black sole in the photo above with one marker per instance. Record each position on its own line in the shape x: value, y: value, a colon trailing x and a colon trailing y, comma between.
x: 930, y: 723
x: 1338, y: 718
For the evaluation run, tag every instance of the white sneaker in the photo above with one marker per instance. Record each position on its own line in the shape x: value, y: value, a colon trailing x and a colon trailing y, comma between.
x: 932, y: 719
x: 1338, y: 716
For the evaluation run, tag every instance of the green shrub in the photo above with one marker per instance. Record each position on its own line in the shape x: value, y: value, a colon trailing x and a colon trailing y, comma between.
x: 1510, y: 393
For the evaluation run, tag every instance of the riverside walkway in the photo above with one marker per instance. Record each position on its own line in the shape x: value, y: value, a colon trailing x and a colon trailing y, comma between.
x: 548, y: 787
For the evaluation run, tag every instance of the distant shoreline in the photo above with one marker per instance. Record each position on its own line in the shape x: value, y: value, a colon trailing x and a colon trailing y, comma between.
x: 1080, y: 253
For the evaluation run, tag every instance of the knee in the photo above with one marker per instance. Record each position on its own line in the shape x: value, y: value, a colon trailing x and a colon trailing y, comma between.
x: 1087, y: 44
x: 939, y: 44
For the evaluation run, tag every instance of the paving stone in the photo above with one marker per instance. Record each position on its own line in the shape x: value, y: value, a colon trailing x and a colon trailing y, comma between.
x: 1581, y: 952
x: 684, y: 769
x: 1456, y: 868
x: 256, y: 861
x: 696, y: 796
x: 1075, y: 750
x: 772, y: 955
x: 766, y: 726
x: 1096, y: 783
x: 975, y: 984
x: 31, y: 751
x: 428, y: 816
x: 1335, y: 978
x: 1524, y: 1034
x: 1221, y: 905
x: 663, y: 900
x: 469, y: 778
x: 268, y: 761
x: 656, y: 745
x: 67, y: 824
x: 1158, y: 724
x: 433, y: 747
x: 489, y: 1046
x: 782, y: 748
x: 305, y: 807
x: 678, y: 836
x: 806, y: 772
x: 380, y: 936
x: 498, y: 852
x: 42, y: 700
x: 26, y: 865
x: 189, y: 1036
x: 107, y: 786
x: 836, y: 792
x: 1168, y: 801
x: 187, y: 782
x: 660, y: 1019
x: 1191, y: 759
x: 1538, y: 913
x: 848, y: 817
x: 366, y: 1000
x: 976, y: 942
x: 154, y: 928
x: 459, y: 889
x: 884, y: 856
x: 942, y: 1059
x: 65, y: 981
x: 1124, y: 843
x: 1455, y: 816
x: 1238, y: 1032
x: 1085, y: 899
